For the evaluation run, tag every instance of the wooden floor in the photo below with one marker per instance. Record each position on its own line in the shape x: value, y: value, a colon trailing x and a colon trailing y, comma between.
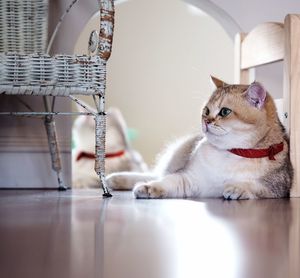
x: 78, y: 234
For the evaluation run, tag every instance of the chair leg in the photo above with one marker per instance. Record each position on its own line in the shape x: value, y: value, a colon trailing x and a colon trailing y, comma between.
x: 100, y: 125
x: 54, y: 150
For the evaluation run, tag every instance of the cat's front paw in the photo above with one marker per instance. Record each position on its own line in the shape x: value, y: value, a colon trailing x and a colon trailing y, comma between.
x: 153, y: 190
x: 85, y: 182
x: 119, y: 181
x: 236, y: 192
x: 114, y: 181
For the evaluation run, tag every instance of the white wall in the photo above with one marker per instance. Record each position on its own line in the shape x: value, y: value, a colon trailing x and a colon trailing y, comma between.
x: 249, y: 13
x: 158, y: 74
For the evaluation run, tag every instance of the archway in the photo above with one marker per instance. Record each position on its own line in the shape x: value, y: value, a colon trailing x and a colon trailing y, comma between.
x: 163, y: 54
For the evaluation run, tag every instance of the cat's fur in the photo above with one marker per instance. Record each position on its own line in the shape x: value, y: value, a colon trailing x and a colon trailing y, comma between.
x: 203, y: 167
x: 83, y: 173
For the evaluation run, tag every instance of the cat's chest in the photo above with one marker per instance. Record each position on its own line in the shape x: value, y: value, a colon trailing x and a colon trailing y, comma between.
x: 221, y: 165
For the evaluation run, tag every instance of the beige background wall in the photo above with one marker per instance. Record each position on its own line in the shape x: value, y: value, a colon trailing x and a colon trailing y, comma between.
x: 32, y: 162
x: 158, y: 74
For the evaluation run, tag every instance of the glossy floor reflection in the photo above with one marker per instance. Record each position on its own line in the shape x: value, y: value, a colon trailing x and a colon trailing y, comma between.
x: 77, y: 234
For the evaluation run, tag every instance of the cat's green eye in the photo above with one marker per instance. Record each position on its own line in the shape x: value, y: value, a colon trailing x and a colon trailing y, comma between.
x: 224, y: 112
x: 206, y: 111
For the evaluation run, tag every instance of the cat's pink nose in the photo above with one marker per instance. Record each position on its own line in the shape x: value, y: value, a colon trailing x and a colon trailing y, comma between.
x: 207, y: 121
x: 205, y: 126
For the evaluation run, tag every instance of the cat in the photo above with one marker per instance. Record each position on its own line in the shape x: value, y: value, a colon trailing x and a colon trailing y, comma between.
x: 243, y: 153
x: 120, y: 156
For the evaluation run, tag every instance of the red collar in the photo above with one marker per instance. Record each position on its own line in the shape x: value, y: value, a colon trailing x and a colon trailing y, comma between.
x: 259, y: 153
x: 92, y: 155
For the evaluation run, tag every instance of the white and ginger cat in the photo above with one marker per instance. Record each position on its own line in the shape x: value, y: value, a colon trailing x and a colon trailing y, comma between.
x: 119, y: 154
x: 244, y: 153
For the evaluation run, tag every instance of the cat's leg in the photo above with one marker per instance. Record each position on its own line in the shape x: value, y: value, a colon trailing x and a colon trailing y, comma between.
x: 127, y: 180
x: 246, y: 190
x: 176, y: 155
x: 171, y: 186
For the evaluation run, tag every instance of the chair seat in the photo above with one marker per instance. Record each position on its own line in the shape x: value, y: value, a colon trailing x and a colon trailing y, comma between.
x: 60, y: 75
x: 23, y: 25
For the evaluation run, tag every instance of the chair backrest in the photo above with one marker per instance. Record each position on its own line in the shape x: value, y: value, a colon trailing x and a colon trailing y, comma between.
x: 263, y: 45
x: 267, y: 43
x: 23, y: 26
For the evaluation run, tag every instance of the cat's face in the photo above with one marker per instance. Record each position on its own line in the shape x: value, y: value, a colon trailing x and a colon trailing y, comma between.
x: 236, y: 116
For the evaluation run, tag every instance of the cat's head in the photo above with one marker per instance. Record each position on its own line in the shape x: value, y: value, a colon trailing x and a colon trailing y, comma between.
x: 238, y: 116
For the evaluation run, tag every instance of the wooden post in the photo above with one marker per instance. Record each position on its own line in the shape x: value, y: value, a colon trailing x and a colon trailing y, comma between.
x: 241, y: 76
x: 294, y: 238
x: 291, y: 93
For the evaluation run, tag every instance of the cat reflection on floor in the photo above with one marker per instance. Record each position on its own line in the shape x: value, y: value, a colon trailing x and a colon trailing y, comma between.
x: 119, y: 154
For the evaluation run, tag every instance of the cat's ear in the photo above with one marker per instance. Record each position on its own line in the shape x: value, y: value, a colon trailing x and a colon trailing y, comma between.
x: 256, y: 95
x: 217, y: 83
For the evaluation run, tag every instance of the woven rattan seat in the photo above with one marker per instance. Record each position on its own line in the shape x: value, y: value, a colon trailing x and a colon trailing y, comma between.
x: 61, y: 75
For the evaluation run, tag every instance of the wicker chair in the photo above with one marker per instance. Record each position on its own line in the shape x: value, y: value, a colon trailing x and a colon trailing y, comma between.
x: 27, y: 69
